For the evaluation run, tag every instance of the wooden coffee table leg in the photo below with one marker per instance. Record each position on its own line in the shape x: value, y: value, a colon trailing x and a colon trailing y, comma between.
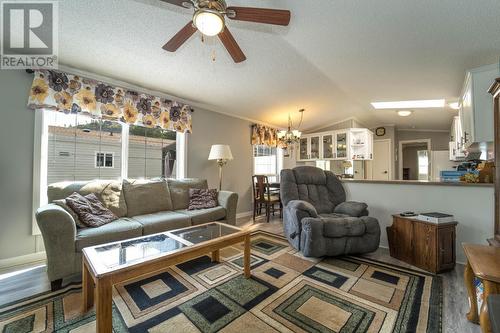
x: 103, y: 306
x: 246, y: 256
x: 87, y: 288
x: 472, y: 315
x: 216, y: 256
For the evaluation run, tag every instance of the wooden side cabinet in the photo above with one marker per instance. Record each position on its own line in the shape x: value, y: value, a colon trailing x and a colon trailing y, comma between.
x: 429, y: 246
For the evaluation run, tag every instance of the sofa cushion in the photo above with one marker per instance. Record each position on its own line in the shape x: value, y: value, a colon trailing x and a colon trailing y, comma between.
x: 120, y: 229
x: 204, y: 215
x: 179, y: 190
x: 146, y: 197
x: 343, y: 226
x: 162, y: 221
x: 202, y: 198
x: 108, y: 192
x: 90, y: 210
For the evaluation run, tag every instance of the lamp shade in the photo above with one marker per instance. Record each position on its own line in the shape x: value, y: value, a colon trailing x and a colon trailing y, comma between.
x: 220, y: 152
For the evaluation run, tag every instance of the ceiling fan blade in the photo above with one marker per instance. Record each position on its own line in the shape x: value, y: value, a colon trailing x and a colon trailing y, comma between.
x: 180, y: 38
x: 231, y: 46
x: 181, y: 3
x: 259, y: 15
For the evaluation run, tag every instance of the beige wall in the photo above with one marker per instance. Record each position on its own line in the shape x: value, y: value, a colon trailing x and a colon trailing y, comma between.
x: 214, y: 128
x: 473, y: 207
x: 16, y: 165
x: 439, y: 140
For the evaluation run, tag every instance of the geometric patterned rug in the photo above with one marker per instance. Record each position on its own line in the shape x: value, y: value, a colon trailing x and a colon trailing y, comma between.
x: 287, y: 293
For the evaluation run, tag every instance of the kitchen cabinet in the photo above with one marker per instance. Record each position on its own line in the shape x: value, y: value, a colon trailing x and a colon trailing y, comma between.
x: 456, y: 147
x: 361, y: 146
x: 476, y: 105
x: 303, y: 149
x: 327, y: 146
x: 345, y: 144
x: 309, y: 148
x: 341, y: 141
x: 314, y: 151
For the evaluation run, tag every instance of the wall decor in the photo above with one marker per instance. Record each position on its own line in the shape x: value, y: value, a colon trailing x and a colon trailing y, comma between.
x: 380, y: 131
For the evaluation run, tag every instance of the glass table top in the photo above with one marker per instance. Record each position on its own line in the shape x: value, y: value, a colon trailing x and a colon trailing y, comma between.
x: 204, y: 233
x: 112, y: 256
x: 131, y: 251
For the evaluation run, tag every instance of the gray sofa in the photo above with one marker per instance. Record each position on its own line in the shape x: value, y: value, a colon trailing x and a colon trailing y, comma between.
x: 140, y: 213
x: 318, y: 221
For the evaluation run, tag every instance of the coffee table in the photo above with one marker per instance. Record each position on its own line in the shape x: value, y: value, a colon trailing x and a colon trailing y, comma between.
x: 108, y: 264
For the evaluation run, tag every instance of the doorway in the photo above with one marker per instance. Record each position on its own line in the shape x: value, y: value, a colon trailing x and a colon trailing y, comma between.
x: 380, y: 168
x: 414, y: 160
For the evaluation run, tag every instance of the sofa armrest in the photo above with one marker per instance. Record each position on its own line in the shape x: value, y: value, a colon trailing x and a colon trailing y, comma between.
x: 352, y: 208
x: 229, y: 200
x: 59, y: 232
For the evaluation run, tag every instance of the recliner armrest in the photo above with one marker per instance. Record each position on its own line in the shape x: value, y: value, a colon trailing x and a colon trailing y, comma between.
x: 303, y: 206
x: 352, y: 208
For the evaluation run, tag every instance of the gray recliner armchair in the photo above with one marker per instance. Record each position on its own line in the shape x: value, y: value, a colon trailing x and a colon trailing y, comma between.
x: 317, y: 219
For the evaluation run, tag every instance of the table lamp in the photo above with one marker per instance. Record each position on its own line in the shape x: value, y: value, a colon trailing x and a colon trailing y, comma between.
x: 221, y: 153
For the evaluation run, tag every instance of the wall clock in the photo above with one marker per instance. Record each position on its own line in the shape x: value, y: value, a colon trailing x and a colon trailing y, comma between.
x: 380, y: 131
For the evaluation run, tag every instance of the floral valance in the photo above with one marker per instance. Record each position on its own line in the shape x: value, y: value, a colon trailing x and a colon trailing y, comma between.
x: 263, y: 135
x: 59, y: 91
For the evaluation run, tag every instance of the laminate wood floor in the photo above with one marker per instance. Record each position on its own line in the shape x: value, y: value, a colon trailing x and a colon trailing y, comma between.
x: 33, y: 280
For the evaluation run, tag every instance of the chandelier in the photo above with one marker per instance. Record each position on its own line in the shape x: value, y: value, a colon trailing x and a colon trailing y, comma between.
x: 288, y: 139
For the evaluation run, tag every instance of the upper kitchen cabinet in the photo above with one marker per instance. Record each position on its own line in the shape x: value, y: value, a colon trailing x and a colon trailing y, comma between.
x: 476, y: 105
x: 361, y: 144
x: 346, y: 144
x: 309, y: 148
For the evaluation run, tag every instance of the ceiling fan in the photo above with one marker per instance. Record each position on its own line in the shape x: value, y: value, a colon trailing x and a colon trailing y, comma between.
x: 209, y: 19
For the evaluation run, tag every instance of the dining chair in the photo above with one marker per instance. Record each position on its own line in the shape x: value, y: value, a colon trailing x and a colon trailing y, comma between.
x: 262, y: 196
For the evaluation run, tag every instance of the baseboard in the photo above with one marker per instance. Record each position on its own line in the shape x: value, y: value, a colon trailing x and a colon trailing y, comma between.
x: 22, y: 260
x: 244, y: 214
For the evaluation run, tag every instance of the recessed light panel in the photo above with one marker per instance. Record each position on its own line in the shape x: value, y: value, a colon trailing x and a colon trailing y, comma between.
x: 419, y: 104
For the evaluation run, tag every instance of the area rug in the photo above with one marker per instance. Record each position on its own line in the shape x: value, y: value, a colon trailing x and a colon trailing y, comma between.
x: 287, y: 293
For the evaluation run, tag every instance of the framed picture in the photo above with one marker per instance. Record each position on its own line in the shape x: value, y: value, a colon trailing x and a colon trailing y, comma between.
x: 380, y: 131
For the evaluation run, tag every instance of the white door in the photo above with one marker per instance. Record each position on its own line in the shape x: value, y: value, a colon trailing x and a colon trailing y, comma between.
x: 381, y: 164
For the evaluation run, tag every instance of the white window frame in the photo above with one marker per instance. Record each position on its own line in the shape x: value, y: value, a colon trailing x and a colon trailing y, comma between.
x: 104, y: 161
x: 279, y: 162
x: 40, y: 159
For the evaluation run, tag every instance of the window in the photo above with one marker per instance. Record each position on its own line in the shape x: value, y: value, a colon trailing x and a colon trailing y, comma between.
x: 423, y: 165
x: 104, y: 160
x: 81, y: 148
x: 151, y: 153
x: 70, y: 147
x: 267, y: 161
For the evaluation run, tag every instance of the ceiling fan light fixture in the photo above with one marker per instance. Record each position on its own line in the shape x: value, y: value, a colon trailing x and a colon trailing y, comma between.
x: 208, y: 22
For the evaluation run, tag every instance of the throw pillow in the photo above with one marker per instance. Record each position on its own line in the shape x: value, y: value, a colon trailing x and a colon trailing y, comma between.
x: 202, y: 198
x: 146, y: 197
x: 62, y: 203
x: 90, y: 210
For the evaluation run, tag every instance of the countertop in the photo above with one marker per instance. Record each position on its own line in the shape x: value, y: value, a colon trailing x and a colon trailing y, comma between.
x: 415, y: 182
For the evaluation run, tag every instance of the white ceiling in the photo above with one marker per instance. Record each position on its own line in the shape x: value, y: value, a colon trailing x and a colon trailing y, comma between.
x: 334, y: 59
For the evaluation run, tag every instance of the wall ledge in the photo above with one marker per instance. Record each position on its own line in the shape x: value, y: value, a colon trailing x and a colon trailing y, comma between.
x: 416, y: 182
